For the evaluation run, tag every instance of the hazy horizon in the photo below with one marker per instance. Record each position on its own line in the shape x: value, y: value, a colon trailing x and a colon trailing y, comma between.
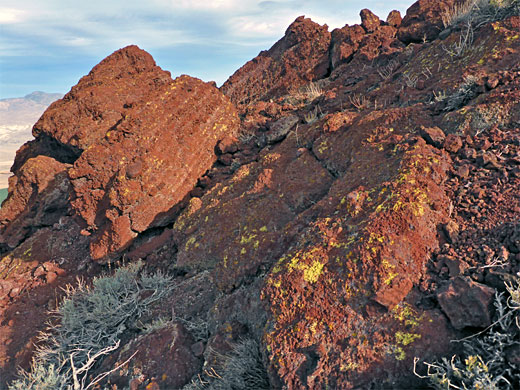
x: 50, y: 47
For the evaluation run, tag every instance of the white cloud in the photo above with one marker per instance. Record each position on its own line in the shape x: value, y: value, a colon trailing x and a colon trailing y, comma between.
x: 11, y: 15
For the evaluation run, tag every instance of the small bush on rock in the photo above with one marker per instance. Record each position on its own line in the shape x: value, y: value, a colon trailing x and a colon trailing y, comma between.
x: 486, y: 364
x: 243, y: 369
x: 480, y: 12
x: 91, y: 319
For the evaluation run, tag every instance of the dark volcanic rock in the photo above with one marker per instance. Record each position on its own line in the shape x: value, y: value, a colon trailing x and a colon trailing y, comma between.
x: 467, y: 303
x: 299, y: 57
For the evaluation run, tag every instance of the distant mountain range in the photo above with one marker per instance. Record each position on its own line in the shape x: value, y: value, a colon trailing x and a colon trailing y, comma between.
x: 17, y: 116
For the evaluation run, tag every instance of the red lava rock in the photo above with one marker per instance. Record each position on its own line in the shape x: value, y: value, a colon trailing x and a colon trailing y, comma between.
x: 315, y: 240
x: 424, y: 20
x: 134, y: 169
x: 369, y: 21
x: 299, y: 57
x: 452, y: 143
x: 278, y: 130
x: 225, y: 159
x: 143, y: 189
x: 466, y: 303
x: 394, y: 18
x: 344, y: 43
x: 164, y: 354
x: 492, y: 82
x: 51, y: 277
x: 488, y: 160
x: 462, y: 171
x: 116, y: 84
x: 433, y: 135
x: 468, y: 153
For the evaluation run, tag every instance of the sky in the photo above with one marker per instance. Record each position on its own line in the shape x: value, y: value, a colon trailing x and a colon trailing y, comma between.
x: 48, y: 45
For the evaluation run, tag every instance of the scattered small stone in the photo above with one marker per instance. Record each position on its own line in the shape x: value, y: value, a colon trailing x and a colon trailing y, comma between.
x: 468, y: 153
x: 452, y: 143
x: 198, y: 349
x: 452, y: 231
x: 462, y: 171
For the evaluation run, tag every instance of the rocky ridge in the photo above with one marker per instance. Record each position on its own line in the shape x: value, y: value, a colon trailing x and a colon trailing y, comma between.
x: 348, y: 201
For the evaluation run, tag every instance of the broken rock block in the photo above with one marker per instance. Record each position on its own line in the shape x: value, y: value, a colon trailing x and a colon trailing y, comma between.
x: 466, y: 303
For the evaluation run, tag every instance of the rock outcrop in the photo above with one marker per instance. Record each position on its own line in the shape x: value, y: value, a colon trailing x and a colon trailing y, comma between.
x: 334, y: 232
x: 138, y: 141
x: 301, y: 56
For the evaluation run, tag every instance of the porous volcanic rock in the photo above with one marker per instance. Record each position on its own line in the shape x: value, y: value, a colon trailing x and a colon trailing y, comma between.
x: 394, y: 18
x: 301, y: 56
x: 345, y: 42
x: 338, y: 247
x: 369, y: 21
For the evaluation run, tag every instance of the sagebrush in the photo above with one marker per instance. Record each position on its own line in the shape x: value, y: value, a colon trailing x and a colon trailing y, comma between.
x: 90, y: 321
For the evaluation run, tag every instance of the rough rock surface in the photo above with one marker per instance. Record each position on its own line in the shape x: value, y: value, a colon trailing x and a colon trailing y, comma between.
x: 129, y: 181
x: 466, y: 303
x: 299, y: 57
x: 333, y: 231
x: 423, y: 20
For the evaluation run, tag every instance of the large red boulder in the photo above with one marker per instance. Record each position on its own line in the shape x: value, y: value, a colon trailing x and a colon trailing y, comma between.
x: 149, y: 161
x: 100, y: 99
x: 301, y: 56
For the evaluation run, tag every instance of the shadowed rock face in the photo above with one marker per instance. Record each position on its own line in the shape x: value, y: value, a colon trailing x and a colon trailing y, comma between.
x: 340, y: 231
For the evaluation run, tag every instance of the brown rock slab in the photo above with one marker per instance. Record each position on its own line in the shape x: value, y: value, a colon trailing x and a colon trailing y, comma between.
x: 451, y: 229
x: 164, y: 359
x: 466, y: 303
x: 99, y: 101
x: 452, y: 143
x: 128, y: 182
x: 38, y: 196
x: 344, y: 43
x: 279, y: 129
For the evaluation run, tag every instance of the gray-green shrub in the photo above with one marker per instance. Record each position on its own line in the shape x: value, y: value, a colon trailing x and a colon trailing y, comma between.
x: 90, y: 322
